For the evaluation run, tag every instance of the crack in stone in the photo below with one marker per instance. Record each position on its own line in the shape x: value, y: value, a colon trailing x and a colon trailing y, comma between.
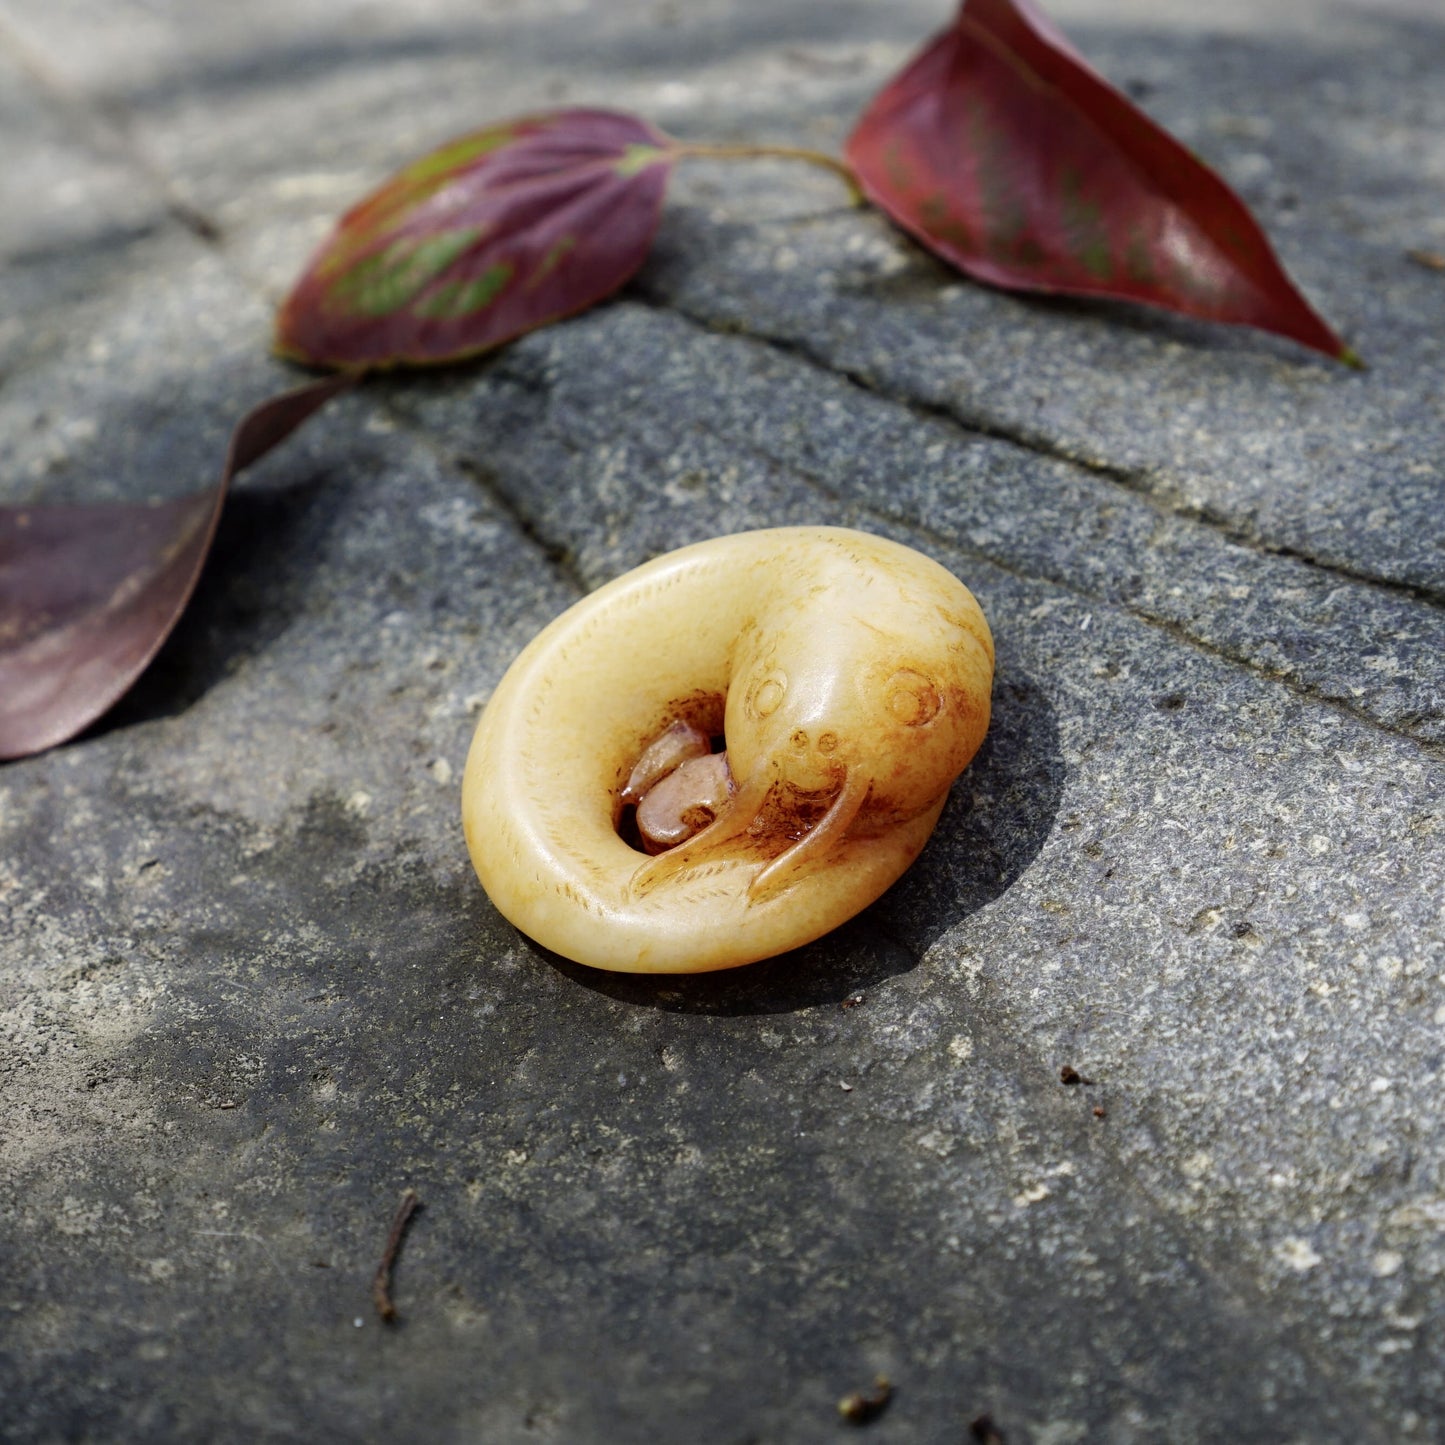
x: 1175, y: 631
x: 1230, y: 530
x: 559, y: 556
x: 1138, y: 481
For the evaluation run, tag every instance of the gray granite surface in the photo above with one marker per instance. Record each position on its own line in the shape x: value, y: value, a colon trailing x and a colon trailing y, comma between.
x: 250, y: 989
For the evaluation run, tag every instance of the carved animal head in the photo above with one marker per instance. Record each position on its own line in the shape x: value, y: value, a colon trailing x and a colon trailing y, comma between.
x: 890, y: 684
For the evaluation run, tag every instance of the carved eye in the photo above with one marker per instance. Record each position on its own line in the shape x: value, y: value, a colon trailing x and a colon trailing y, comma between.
x: 910, y: 698
x: 768, y: 693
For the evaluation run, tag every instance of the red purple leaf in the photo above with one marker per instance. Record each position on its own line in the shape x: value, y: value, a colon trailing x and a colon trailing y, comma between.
x: 1003, y: 152
x: 496, y: 233
x: 89, y: 593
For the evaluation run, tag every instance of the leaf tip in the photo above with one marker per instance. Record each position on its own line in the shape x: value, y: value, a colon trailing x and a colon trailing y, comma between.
x: 1352, y: 358
x: 295, y: 353
x: 282, y: 350
x: 284, y: 346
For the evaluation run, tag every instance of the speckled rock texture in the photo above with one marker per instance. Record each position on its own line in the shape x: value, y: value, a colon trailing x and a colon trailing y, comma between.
x: 250, y: 990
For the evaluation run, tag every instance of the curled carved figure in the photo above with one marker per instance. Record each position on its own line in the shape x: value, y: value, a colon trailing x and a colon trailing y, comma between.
x: 784, y: 710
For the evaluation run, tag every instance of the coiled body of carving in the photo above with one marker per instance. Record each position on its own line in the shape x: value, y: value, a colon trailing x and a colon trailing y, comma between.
x: 851, y: 678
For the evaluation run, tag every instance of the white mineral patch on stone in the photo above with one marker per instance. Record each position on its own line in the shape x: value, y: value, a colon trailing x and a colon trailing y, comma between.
x: 1296, y: 1254
x: 936, y: 1143
x: 1060, y: 1432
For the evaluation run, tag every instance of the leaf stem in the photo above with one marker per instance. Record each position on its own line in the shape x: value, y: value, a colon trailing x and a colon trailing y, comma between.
x: 841, y: 169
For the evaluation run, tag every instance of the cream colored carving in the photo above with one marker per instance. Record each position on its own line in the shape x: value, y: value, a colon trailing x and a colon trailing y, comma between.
x: 851, y: 676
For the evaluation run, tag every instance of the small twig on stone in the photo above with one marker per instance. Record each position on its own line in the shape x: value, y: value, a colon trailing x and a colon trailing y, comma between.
x: 381, y: 1283
x: 1430, y: 260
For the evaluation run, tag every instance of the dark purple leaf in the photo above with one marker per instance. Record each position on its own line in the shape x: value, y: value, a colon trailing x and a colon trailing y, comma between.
x: 89, y: 593
x: 1003, y: 152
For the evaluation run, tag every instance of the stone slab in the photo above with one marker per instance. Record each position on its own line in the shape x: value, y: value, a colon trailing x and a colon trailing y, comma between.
x: 249, y: 989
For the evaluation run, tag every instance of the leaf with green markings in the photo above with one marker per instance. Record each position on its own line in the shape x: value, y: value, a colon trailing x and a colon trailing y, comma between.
x: 1002, y: 151
x: 492, y: 235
